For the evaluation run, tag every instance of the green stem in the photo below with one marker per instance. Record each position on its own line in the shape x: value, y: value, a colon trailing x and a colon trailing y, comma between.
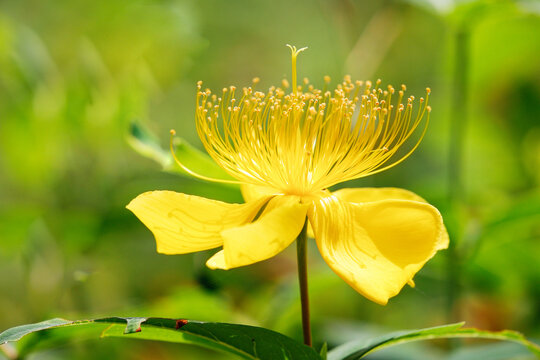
x: 301, y: 252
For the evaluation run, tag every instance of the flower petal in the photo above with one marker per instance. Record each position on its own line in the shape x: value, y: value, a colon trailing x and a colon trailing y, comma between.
x: 377, y: 247
x: 254, y: 192
x: 276, y: 228
x: 184, y: 223
x: 217, y: 261
x: 361, y: 195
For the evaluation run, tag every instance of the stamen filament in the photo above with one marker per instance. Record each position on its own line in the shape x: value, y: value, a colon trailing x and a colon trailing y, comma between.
x: 301, y: 142
x: 193, y: 173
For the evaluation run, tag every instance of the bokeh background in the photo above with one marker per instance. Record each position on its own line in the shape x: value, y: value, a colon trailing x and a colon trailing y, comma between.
x: 75, y: 74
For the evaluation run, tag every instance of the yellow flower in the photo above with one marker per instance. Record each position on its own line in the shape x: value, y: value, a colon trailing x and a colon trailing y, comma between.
x: 286, y: 149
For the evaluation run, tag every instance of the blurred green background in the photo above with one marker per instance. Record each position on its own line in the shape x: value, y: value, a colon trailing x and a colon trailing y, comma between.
x: 74, y: 74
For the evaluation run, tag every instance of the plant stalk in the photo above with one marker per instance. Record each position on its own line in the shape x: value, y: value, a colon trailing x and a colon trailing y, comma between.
x: 301, y: 252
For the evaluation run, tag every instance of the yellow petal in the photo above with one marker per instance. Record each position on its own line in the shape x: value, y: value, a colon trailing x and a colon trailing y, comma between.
x: 217, y: 261
x: 276, y: 228
x: 254, y: 192
x: 361, y: 195
x: 184, y: 223
x: 377, y: 247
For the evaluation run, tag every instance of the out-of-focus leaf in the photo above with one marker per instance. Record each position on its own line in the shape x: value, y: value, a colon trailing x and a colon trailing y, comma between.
x: 529, y: 6
x: 410, y: 351
x: 146, y: 144
x: 529, y: 207
x: 358, y: 349
x: 246, y: 342
x: 324, y: 351
x: 501, y: 351
x: 465, y: 14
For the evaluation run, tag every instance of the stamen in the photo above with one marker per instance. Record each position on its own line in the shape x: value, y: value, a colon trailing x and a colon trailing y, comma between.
x: 301, y: 141
x: 193, y: 173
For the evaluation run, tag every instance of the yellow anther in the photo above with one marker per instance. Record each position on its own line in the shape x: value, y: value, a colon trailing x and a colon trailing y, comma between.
x: 248, y: 135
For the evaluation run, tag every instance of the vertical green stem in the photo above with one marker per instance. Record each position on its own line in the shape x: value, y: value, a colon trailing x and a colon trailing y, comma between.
x: 301, y: 252
x: 455, y: 161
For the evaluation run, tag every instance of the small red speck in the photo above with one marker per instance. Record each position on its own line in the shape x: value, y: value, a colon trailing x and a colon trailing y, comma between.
x: 138, y: 329
x: 180, y: 323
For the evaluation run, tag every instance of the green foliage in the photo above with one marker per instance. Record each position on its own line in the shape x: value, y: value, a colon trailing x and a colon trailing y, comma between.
x: 195, y: 160
x: 358, y: 349
x: 245, y: 342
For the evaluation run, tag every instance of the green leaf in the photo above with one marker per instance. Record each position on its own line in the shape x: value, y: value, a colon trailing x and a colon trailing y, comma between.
x: 499, y: 351
x: 324, y: 351
x: 526, y: 208
x: 197, y: 161
x: 246, y: 342
x: 358, y: 349
x: 16, y: 333
x: 147, y: 144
